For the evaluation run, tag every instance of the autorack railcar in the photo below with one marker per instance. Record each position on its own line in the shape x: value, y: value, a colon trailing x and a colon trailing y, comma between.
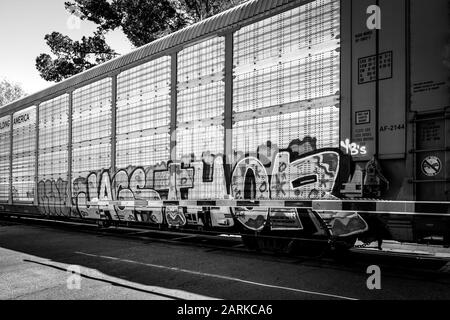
x: 277, y: 119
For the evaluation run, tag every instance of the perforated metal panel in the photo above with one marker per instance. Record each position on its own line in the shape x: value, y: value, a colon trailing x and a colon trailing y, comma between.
x: 5, y: 156
x: 53, y: 139
x: 143, y: 114
x: 201, y: 99
x: 281, y: 130
x: 53, y: 162
x: 24, y: 155
x: 200, y: 140
x: 287, y: 78
x: 91, y: 133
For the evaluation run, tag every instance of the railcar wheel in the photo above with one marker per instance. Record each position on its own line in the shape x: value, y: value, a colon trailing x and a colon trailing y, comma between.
x: 276, y: 245
x: 103, y: 224
x: 447, y: 240
x: 308, y: 248
x: 267, y: 243
x: 285, y: 246
x: 250, y: 241
x: 345, y: 244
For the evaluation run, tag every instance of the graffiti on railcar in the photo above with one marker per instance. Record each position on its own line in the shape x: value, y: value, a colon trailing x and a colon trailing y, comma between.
x: 169, y: 181
x: 300, y: 172
x: 53, y: 198
x: 126, y: 185
x: 312, y: 176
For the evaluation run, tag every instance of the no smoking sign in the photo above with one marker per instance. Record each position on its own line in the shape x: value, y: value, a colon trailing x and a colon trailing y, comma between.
x: 431, y: 166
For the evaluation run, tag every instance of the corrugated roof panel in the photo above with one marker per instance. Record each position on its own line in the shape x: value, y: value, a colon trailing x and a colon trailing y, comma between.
x: 135, y: 56
x: 245, y: 11
x: 227, y: 18
x: 169, y: 43
x: 210, y: 27
x: 116, y: 64
x: 219, y: 21
x: 267, y: 6
x: 252, y: 9
x: 141, y: 54
x: 196, y: 32
x: 238, y: 17
x: 205, y: 27
x: 178, y: 37
x: 260, y: 6
x: 158, y: 47
x: 230, y: 18
x: 224, y: 18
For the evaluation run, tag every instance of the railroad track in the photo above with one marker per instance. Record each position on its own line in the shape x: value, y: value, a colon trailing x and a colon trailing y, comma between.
x: 407, y: 264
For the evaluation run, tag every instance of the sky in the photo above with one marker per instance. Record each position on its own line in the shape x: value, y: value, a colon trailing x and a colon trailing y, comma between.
x: 23, y: 26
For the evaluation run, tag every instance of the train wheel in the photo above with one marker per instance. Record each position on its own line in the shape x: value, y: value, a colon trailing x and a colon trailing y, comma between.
x: 308, y: 248
x: 342, y: 247
x: 284, y: 246
x: 251, y: 242
x: 276, y: 245
x: 103, y: 224
x: 447, y: 240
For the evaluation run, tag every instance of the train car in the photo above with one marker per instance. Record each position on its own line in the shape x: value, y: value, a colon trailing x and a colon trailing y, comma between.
x: 283, y: 121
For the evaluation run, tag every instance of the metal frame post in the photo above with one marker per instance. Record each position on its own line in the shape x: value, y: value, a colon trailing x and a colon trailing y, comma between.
x: 173, y: 105
x: 36, y: 159
x: 377, y: 90
x: 410, y: 188
x: 447, y: 152
x: 69, y: 151
x: 228, y: 114
x: 346, y: 73
x: 11, y: 135
x: 113, y: 124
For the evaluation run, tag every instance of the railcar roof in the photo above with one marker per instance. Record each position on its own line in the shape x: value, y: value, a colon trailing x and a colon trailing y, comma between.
x: 233, y: 18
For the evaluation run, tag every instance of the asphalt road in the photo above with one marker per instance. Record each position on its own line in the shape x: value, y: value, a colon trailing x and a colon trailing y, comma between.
x: 34, y: 261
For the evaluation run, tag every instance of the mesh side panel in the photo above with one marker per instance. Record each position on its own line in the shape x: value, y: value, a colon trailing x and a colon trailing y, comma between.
x: 53, y: 155
x: 91, y: 123
x: 5, y: 150
x: 53, y: 139
x: 201, y: 93
x: 281, y: 130
x: 280, y: 63
x: 24, y: 155
x: 286, y: 88
x: 199, y: 140
x: 143, y: 114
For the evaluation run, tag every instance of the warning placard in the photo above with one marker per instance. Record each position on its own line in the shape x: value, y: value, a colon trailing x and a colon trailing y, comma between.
x: 431, y: 166
x: 362, y: 117
x: 367, y: 67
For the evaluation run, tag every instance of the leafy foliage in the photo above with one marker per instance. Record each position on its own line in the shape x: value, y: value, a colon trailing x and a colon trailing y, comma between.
x: 142, y: 21
x: 72, y: 57
x: 10, y: 92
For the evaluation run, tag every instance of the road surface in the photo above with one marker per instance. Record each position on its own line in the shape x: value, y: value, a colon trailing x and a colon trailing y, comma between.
x: 34, y: 260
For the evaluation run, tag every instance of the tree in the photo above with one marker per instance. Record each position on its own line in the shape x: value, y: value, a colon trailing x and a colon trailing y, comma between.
x: 72, y: 57
x: 142, y: 21
x: 10, y: 92
x: 197, y: 10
